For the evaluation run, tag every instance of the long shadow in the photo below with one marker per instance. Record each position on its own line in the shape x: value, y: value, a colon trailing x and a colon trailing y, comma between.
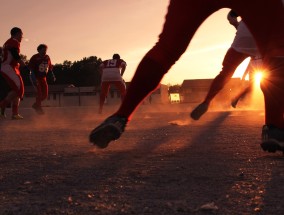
x: 136, y: 179
x: 100, y: 175
x: 56, y: 179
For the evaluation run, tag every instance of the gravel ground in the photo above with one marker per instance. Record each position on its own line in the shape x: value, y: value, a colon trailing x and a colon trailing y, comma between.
x: 163, y: 164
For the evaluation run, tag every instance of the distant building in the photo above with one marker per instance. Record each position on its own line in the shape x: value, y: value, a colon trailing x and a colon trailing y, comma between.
x: 194, y: 91
x: 70, y: 95
x: 160, y: 95
x: 174, y: 98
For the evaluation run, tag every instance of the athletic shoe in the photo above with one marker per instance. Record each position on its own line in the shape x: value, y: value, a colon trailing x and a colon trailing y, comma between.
x: 3, y: 116
x: 110, y: 129
x: 38, y: 109
x: 234, y: 103
x: 272, y: 139
x: 199, y: 111
x: 17, y: 116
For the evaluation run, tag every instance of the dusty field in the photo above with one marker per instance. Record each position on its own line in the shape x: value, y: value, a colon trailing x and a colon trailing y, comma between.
x: 163, y: 164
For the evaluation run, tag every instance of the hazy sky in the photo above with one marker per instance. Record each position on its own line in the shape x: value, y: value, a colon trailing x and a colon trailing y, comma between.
x: 74, y: 29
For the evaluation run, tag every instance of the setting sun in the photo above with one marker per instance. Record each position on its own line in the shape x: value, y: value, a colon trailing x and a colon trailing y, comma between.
x: 257, y: 78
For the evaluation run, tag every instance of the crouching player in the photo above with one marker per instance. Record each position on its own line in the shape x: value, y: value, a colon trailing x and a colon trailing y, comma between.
x: 112, y: 71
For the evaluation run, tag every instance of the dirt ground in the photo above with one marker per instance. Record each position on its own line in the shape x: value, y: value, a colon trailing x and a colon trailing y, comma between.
x: 163, y: 164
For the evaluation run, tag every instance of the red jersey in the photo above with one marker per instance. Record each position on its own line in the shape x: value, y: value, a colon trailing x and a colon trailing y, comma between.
x: 7, y: 56
x: 1, y: 56
x: 40, y: 65
x: 112, y: 69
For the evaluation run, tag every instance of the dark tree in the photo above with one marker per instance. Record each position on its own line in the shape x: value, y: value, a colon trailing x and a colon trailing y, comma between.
x: 86, y: 72
x: 174, y: 88
x: 79, y: 73
x: 24, y: 72
x: 62, y: 73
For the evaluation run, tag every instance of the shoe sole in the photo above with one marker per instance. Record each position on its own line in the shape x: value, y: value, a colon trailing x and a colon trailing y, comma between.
x: 234, y: 104
x: 272, y: 146
x: 101, y: 137
x: 196, y: 114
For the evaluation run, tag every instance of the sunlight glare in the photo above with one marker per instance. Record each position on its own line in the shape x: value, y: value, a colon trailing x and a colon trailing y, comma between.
x: 257, y: 78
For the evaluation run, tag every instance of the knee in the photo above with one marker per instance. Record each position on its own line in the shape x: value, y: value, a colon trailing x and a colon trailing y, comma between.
x: 165, y: 54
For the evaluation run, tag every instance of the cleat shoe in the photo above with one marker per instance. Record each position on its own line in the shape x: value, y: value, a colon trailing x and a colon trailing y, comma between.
x: 3, y: 116
x: 272, y: 139
x: 38, y: 109
x: 199, y: 111
x: 264, y: 133
x: 111, y: 129
x: 17, y: 116
x: 272, y: 145
x: 234, y: 103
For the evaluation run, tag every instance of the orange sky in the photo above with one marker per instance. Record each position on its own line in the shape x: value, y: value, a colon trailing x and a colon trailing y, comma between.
x: 82, y: 28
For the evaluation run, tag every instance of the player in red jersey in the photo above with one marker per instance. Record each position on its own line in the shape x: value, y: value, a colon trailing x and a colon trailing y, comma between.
x: 265, y: 20
x: 3, y: 91
x: 10, y: 71
x: 112, y: 71
x: 1, y: 53
x: 40, y: 65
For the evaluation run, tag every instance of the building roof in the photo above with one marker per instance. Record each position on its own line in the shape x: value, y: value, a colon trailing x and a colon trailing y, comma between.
x: 200, y: 83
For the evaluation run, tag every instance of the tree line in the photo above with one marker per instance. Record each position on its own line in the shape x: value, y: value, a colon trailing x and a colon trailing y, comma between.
x: 84, y: 72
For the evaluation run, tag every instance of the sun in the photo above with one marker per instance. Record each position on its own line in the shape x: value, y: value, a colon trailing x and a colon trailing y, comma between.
x: 257, y: 77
